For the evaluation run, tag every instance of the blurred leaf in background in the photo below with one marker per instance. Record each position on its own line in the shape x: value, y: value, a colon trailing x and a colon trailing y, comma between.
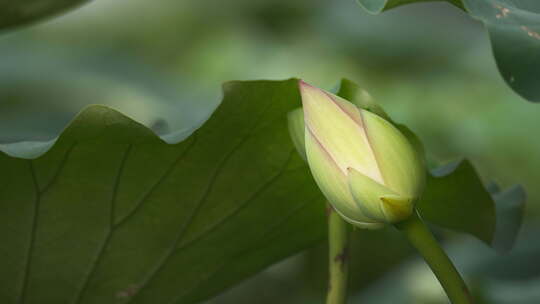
x: 514, y: 30
x: 15, y: 13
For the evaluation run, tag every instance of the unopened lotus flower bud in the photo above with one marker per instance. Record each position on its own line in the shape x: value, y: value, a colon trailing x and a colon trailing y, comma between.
x: 366, y: 168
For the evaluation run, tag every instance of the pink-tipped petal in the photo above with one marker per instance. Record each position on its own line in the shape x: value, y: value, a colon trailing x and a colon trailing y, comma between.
x: 338, y: 126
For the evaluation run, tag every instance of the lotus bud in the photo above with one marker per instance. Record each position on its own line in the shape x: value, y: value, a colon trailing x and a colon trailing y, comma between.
x: 366, y: 168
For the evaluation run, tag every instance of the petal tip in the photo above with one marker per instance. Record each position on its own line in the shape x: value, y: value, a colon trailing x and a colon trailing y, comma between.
x: 305, y: 87
x: 302, y: 83
x: 396, y: 207
x: 309, y: 94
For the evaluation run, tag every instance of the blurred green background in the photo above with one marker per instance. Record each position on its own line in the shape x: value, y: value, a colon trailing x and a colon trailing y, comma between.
x: 430, y: 66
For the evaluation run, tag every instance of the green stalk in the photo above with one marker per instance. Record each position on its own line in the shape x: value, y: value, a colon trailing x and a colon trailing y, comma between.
x: 338, y: 241
x: 422, y: 239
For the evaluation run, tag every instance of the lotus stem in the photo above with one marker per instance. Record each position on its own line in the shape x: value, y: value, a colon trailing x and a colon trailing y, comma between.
x: 422, y: 239
x: 338, y: 241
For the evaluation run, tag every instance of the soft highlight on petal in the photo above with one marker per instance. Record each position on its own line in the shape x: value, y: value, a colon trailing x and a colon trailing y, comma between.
x: 401, y: 166
x: 338, y: 126
x: 332, y: 181
x: 366, y: 193
x: 377, y: 201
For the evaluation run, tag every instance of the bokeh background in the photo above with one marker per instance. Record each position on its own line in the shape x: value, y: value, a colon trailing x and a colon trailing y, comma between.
x: 429, y: 65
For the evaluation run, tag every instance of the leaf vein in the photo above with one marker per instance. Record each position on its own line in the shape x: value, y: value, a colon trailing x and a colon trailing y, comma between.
x: 242, y: 205
x: 263, y: 235
x: 33, y: 232
x: 150, y: 191
x: 190, y: 219
x: 58, y: 170
x: 200, y: 203
x: 101, y: 252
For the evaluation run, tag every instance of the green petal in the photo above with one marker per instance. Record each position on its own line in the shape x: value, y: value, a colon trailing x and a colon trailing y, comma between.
x: 397, y: 208
x: 401, y: 166
x: 338, y: 126
x: 377, y: 201
x: 295, y: 119
x: 333, y: 182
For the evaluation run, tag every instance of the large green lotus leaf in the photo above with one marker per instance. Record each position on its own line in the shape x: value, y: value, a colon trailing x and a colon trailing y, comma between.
x: 113, y: 214
x: 514, y: 31
x: 18, y: 12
